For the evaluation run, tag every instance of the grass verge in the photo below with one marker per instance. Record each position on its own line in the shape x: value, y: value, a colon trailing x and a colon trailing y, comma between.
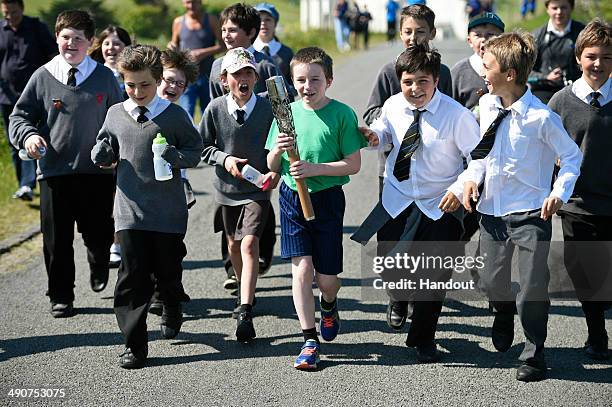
x: 15, y: 215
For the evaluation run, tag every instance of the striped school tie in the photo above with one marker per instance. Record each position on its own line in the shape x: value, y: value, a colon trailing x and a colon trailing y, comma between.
x: 594, y: 101
x: 410, y: 143
x: 486, y: 144
x: 72, y: 77
x: 141, y: 114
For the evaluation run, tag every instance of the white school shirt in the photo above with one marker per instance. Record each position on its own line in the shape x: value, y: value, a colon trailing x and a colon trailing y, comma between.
x: 448, y: 133
x: 476, y: 63
x: 518, y: 170
x: 583, y: 91
x: 232, y: 106
x: 551, y: 28
x: 274, y: 46
x: 58, y: 67
x: 155, y: 106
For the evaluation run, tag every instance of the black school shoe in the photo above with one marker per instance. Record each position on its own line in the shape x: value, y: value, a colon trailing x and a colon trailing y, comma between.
x: 171, y: 321
x: 428, y: 353
x: 130, y: 359
x: 236, y: 310
x: 98, y: 278
x: 61, y: 310
x: 531, y: 371
x: 597, y: 350
x: 502, y: 333
x: 245, y: 331
x: 156, y: 308
x: 396, y: 314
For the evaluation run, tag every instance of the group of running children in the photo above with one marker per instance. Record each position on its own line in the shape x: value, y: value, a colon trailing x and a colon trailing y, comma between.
x: 438, y: 142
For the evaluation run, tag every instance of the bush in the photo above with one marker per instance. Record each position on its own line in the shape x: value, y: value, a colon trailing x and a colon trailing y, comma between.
x: 148, y: 21
x: 101, y: 15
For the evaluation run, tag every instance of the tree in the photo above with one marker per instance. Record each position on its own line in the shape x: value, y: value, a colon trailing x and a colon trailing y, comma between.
x: 101, y: 15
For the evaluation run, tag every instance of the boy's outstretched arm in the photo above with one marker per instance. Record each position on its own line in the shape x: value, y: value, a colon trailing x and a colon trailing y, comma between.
x: 570, y: 158
x: 349, y: 165
x: 468, y: 182
x: 105, y: 152
x: 370, y: 136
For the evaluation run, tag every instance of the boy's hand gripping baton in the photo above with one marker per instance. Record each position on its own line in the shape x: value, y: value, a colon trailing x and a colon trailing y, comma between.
x: 277, y: 93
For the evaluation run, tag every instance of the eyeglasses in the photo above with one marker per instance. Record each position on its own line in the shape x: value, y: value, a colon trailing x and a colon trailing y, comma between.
x: 178, y: 84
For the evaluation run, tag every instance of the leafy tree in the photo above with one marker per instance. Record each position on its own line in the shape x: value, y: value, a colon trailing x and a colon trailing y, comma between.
x: 102, y: 16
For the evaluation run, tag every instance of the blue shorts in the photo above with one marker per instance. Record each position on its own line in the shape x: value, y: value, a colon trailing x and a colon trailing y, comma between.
x: 320, y: 238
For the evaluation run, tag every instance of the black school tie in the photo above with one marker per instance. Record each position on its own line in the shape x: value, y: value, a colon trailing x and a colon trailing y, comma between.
x: 594, y: 101
x: 72, y: 77
x: 141, y: 116
x: 266, y: 50
x: 486, y: 144
x: 410, y: 143
x: 240, y: 116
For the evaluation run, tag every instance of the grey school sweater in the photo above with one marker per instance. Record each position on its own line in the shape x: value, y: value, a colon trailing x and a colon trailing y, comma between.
x: 223, y: 136
x: 265, y: 69
x: 467, y: 84
x: 591, y: 128
x: 141, y: 202
x: 69, y: 126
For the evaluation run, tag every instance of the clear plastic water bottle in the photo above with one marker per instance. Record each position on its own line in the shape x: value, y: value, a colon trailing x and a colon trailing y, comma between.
x: 23, y: 154
x: 163, y: 169
x: 252, y: 175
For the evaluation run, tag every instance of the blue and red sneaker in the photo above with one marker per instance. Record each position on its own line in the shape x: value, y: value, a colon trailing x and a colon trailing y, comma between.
x: 309, y: 356
x: 330, y: 322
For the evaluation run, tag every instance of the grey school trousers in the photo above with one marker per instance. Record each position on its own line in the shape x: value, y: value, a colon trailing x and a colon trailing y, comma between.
x: 498, y: 238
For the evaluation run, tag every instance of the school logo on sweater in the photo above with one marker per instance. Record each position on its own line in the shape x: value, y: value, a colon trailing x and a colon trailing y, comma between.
x: 100, y: 98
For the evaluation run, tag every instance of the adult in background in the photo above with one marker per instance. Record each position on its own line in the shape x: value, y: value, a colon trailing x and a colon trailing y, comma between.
x: 392, y: 8
x: 341, y: 26
x: 359, y: 22
x: 555, y: 65
x: 25, y: 45
x: 475, y: 7
x: 528, y: 6
x: 199, y: 32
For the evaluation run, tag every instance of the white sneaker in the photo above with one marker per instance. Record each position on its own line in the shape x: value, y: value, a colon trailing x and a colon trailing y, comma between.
x: 25, y: 193
x: 115, y: 256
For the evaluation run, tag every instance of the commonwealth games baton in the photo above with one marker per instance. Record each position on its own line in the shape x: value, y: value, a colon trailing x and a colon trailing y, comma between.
x: 277, y: 93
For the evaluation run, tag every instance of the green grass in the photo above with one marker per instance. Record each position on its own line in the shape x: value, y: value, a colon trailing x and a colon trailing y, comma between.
x: 15, y: 214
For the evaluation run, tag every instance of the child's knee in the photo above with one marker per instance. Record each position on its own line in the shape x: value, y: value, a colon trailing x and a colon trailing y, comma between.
x: 303, y: 272
x: 328, y: 284
x: 233, y: 245
x: 249, y: 247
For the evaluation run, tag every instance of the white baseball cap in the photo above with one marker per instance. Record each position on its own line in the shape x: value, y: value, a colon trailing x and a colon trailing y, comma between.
x: 236, y: 59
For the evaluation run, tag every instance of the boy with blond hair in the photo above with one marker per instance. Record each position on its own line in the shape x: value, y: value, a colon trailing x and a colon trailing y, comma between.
x: 521, y: 140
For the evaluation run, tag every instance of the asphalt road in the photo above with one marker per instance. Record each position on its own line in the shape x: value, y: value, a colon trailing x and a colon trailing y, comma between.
x: 366, y: 365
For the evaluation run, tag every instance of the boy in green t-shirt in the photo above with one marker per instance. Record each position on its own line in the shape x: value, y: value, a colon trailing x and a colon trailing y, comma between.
x: 329, y: 142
